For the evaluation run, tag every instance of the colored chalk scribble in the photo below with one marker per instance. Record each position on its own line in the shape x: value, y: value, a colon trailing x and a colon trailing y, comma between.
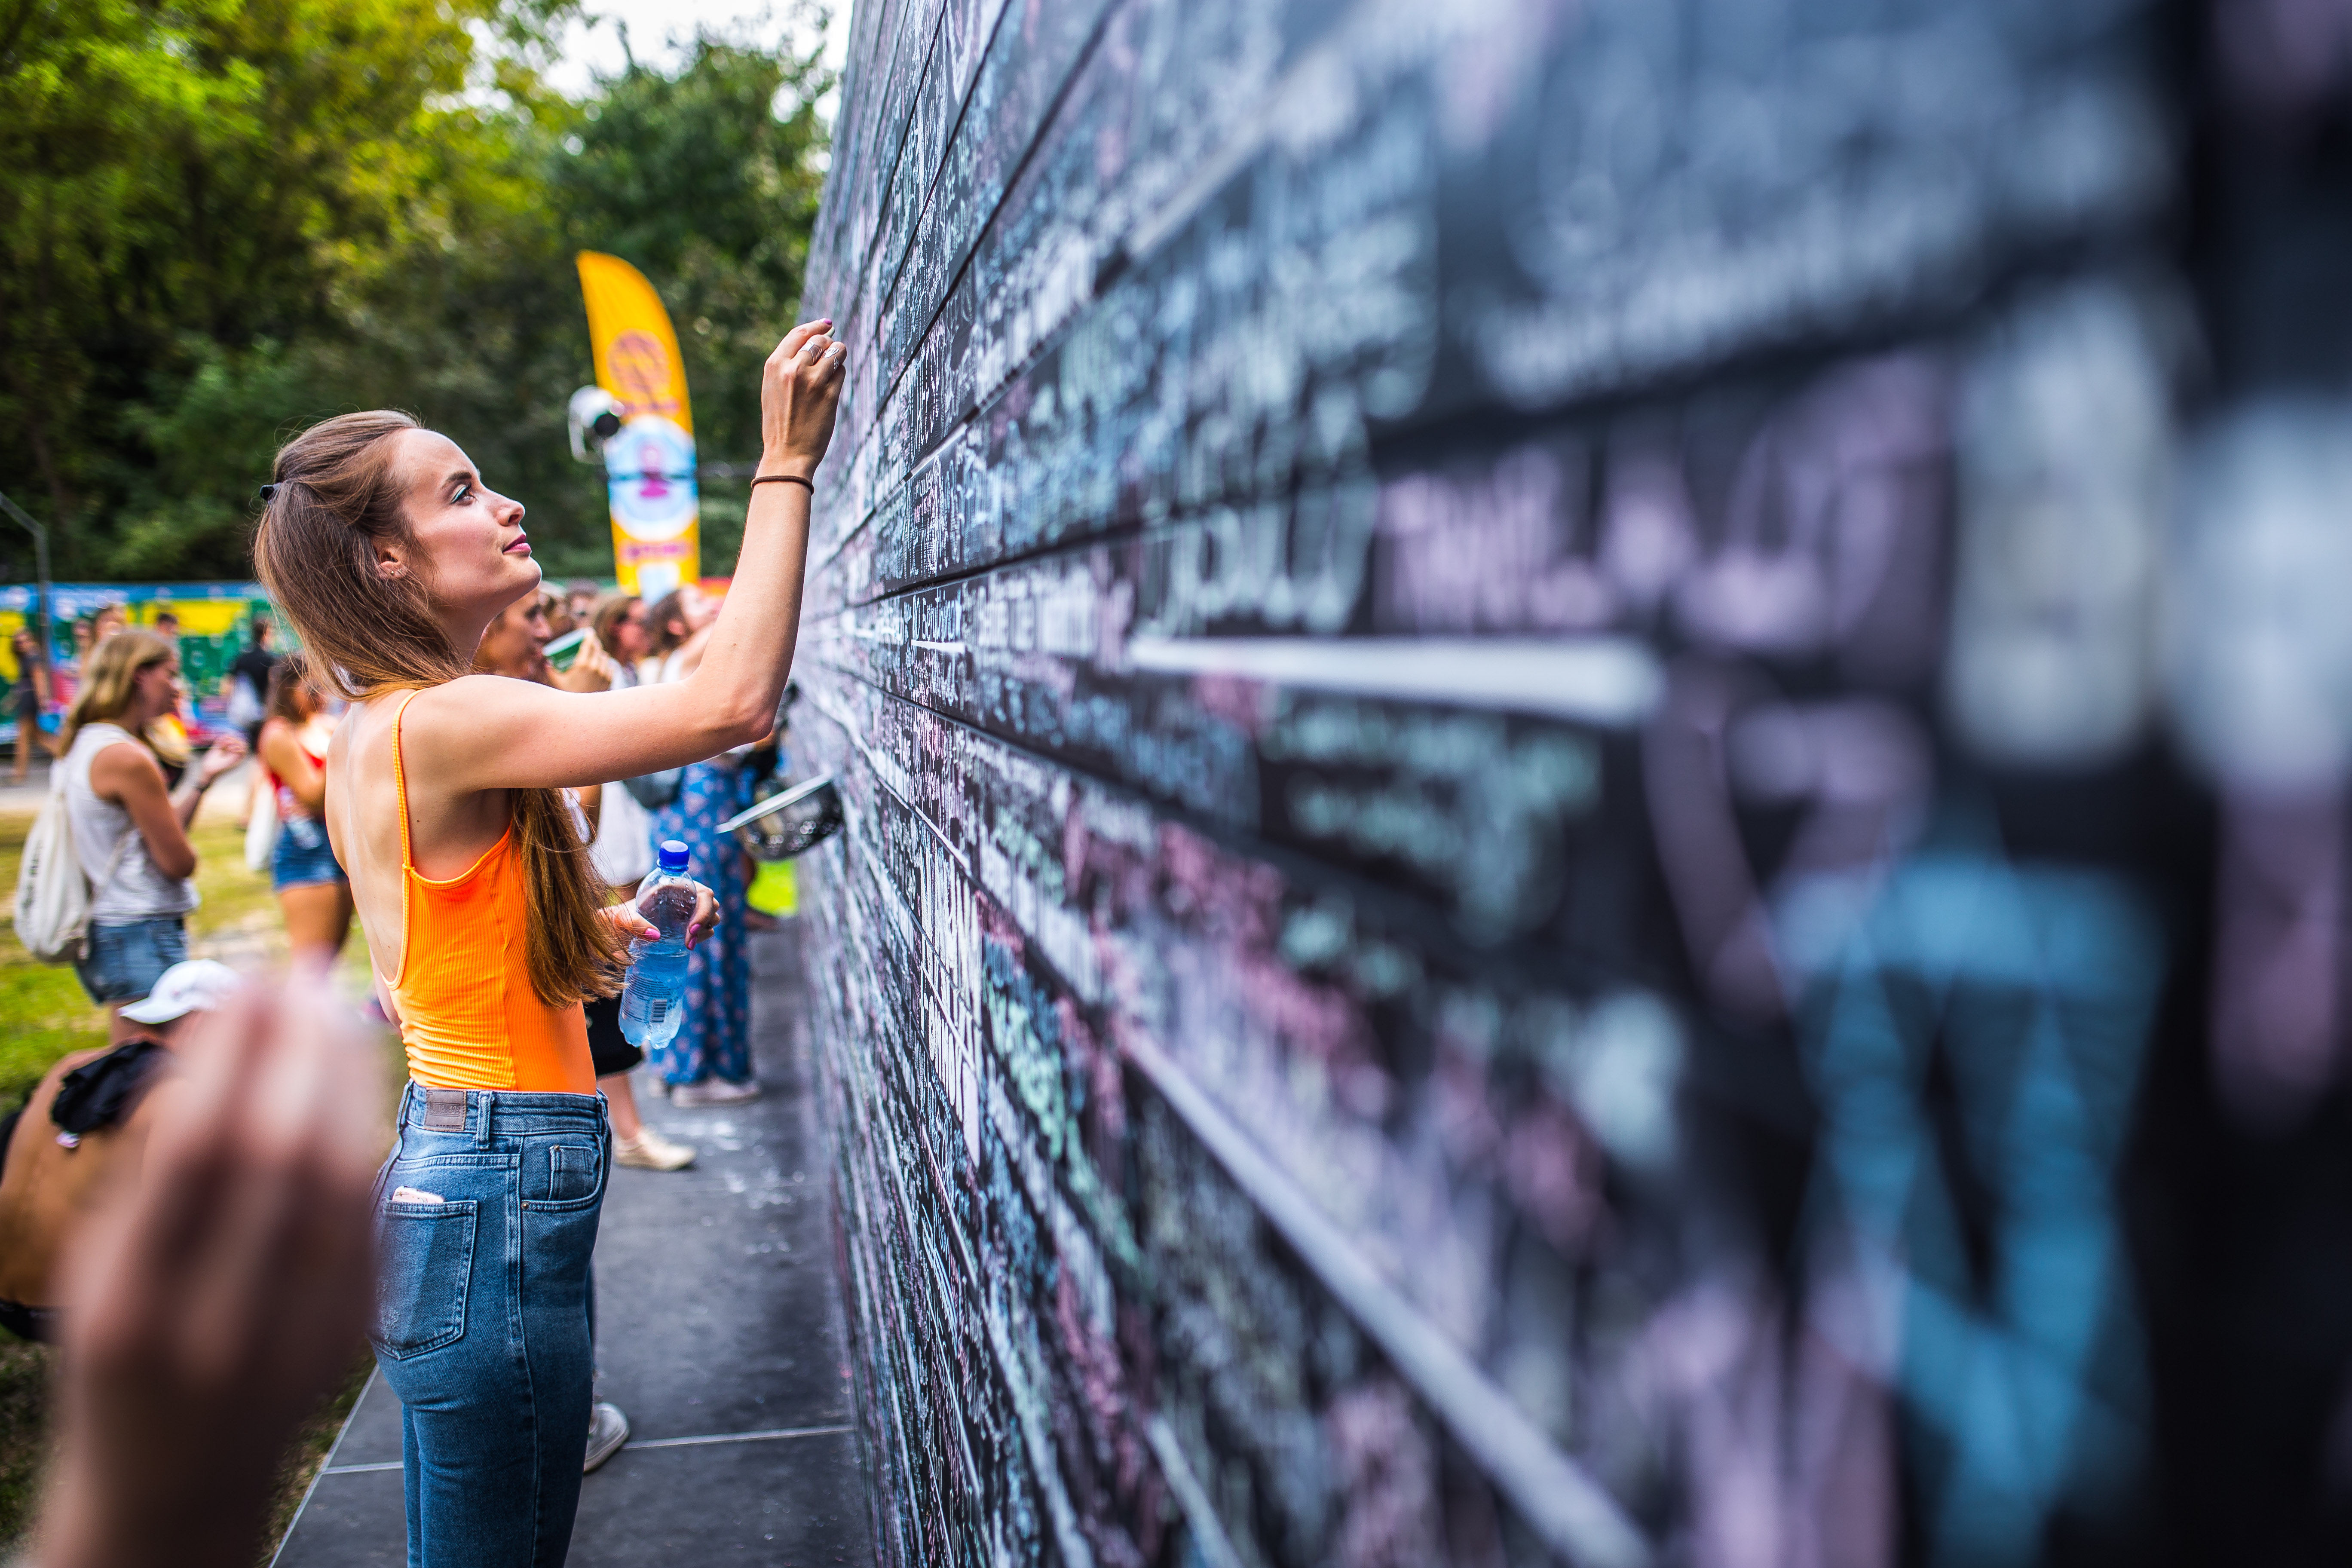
x: 1595, y: 772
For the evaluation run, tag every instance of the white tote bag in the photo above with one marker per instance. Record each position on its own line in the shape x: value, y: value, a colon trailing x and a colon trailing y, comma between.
x: 623, y: 850
x: 53, y: 893
x: 260, y: 822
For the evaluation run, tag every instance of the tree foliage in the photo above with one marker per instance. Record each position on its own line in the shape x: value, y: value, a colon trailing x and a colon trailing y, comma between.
x: 220, y: 219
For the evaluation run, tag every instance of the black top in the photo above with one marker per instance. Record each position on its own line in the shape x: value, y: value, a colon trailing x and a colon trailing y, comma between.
x: 254, y: 666
x: 102, y: 1091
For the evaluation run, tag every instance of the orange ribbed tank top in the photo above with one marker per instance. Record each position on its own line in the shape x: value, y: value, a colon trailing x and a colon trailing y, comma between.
x: 468, y: 1016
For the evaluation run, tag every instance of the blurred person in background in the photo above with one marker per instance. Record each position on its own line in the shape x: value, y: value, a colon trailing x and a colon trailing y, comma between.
x: 516, y: 642
x: 129, y: 827
x: 80, y: 1136
x: 31, y: 699
x: 677, y: 626
x: 167, y: 732
x: 591, y: 667
x: 172, y: 730
x: 312, y: 889
x: 65, y: 679
x: 621, y: 628
x: 248, y: 681
x: 622, y: 850
x: 220, y: 1295
x: 515, y: 646
x: 580, y: 596
x: 708, y: 1060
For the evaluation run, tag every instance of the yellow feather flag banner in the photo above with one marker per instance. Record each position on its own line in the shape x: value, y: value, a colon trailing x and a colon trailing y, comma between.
x: 649, y: 465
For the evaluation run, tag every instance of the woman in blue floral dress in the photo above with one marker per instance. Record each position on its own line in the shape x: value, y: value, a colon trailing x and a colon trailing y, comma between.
x: 709, y: 1062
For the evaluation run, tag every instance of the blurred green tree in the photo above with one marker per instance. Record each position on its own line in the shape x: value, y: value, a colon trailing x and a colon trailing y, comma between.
x: 220, y: 219
x: 734, y: 140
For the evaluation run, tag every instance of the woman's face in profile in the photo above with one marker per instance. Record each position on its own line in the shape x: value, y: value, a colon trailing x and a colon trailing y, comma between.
x: 156, y: 690
x: 475, y: 553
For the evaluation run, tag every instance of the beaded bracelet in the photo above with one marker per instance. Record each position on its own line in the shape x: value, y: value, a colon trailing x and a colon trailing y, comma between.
x: 810, y: 485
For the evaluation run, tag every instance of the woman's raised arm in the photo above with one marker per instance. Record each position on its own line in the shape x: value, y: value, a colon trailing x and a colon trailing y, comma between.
x: 488, y: 732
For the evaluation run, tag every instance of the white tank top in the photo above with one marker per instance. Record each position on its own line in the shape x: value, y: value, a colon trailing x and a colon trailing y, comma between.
x: 137, y: 892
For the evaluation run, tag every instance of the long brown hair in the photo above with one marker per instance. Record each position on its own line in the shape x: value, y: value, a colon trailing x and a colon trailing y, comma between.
x: 666, y: 625
x: 335, y: 495
x: 107, y: 676
x: 289, y: 678
x: 607, y: 614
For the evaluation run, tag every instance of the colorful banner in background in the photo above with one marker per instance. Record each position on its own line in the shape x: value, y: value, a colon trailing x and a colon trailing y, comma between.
x: 649, y: 465
x: 216, y: 620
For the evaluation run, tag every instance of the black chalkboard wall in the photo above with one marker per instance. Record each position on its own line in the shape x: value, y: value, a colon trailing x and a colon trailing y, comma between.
x: 1595, y: 759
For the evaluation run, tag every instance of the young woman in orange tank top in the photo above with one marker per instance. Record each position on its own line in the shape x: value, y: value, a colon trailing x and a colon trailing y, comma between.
x: 486, y: 921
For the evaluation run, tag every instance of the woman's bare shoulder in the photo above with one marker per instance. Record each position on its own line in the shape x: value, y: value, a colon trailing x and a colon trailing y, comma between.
x: 361, y: 736
x: 120, y: 762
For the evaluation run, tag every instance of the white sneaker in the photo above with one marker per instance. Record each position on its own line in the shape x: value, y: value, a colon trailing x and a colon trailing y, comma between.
x: 607, y: 1430
x: 649, y: 1150
x: 712, y: 1091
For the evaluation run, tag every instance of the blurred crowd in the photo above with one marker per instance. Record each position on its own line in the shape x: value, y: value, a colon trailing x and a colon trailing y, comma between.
x: 132, y: 807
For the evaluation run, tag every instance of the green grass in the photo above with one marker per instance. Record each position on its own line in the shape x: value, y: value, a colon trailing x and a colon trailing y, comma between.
x: 44, y: 1012
x: 44, y: 1015
x: 24, y: 1432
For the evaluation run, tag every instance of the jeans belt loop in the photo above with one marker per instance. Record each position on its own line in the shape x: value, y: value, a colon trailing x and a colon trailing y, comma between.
x: 483, y: 1100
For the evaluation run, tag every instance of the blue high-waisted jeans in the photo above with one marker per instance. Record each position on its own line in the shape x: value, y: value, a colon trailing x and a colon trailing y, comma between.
x: 482, y: 1318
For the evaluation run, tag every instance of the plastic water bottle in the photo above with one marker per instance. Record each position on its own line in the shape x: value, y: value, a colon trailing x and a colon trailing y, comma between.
x: 653, y: 1003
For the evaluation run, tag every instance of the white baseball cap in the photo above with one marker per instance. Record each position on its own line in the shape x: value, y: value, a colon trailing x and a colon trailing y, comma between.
x: 198, y: 985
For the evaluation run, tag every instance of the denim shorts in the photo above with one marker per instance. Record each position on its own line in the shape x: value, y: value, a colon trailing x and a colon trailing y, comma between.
x: 486, y: 1215
x: 125, y: 961
x: 303, y: 857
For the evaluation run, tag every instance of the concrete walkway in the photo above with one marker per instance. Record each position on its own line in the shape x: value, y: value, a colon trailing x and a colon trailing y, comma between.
x: 226, y: 795
x: 717, y: 1331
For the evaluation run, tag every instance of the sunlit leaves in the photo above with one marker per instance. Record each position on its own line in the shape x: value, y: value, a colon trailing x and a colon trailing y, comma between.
x: 220, y: 218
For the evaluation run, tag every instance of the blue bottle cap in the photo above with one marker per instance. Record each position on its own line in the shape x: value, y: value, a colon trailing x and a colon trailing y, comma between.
x: 673, y: 857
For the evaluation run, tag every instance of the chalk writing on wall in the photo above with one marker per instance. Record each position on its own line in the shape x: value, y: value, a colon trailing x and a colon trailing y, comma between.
x: 1533, y: 870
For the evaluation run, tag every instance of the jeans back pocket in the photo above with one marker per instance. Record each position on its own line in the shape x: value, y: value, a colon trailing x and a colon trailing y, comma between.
x: 424, y: 1262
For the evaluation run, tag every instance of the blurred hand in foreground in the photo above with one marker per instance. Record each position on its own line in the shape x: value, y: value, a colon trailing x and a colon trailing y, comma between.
x: 224, y: 1295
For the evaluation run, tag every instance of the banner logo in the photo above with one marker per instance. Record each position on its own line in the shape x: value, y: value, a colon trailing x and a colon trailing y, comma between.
x: 649, y: 469
x: 641, y: 373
